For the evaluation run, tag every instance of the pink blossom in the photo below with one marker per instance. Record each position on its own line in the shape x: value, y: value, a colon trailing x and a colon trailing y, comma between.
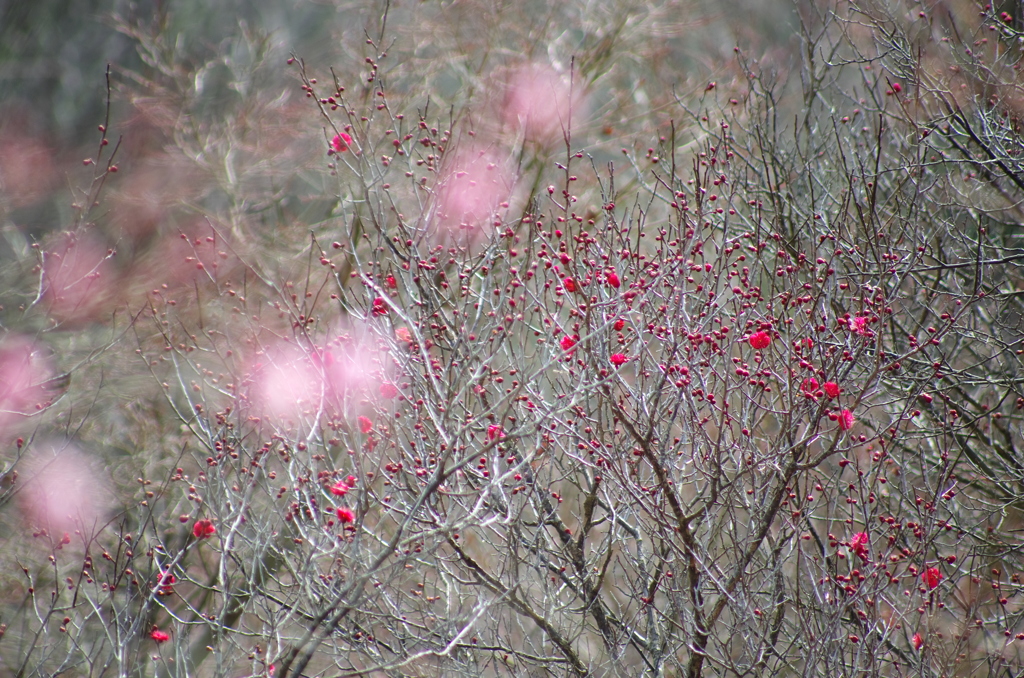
x: 809, y: 385
x: 846, y: 420
x: 346, y: 515
x: 860, y: 326
x: 613, y: 279
x: 341, y: 142
x: 388, y: 390
x: 832, y: 389
x: 380, y: 307
x: 494, y: 432
x: 339, y: 489
x: 760, y: 340
x: 619, y: 324
x: 618, y: 359
x: 918, y: 641
x: 567, y: 342
x: 569, y: 284
x: 365, y: 425
x: 403, y: 334
x: 351, y: 481
x: 859, y: 545
x: 159, y: 636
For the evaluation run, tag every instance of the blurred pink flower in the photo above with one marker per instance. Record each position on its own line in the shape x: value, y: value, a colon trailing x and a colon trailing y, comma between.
x: 62, y: 492
x: 24, y: 373
x: 345, y: 515
x: 846, y: 420
x: 77, y: 278
x: 831, y: 389
x: 474, y: 186
x: 618, y: 359
x: 365, y: 425
x: 159, y: 636
x: 542, y: 103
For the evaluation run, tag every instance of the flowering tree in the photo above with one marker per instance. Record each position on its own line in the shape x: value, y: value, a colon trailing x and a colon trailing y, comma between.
x: 472, y: 391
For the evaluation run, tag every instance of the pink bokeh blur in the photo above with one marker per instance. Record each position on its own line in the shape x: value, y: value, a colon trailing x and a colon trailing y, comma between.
x: 78, y: 281
x: 541, y: 103
x: 475, y: 187
x: 292, y: 386
x: 62, y: 492
x: 24, y: 372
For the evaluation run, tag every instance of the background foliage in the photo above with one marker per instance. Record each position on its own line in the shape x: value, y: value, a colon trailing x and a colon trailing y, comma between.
x: 611, y: 339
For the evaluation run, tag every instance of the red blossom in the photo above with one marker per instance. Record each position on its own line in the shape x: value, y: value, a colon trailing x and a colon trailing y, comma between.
x: 760, y: 340
x: 346, y: 515
x: 159, y: 636
x: 619, y: 324
x: 495, y: 432
x: 392, y: 283
x: 341, y: 142
x: 567, y: 342
x: 613, y: 279
x: 569, y: 284
x: 931, y: 577
x: 918, y: 641
x: 859, y: 545
x: 365, y: 425
x: 809, y: 385
x: 832, y: 389
x: 379, y: 307
x: 203, y: 529
x: 846, y: 420
x: 350, y: 481
x: 339, y: 489
x: 618, y: 359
